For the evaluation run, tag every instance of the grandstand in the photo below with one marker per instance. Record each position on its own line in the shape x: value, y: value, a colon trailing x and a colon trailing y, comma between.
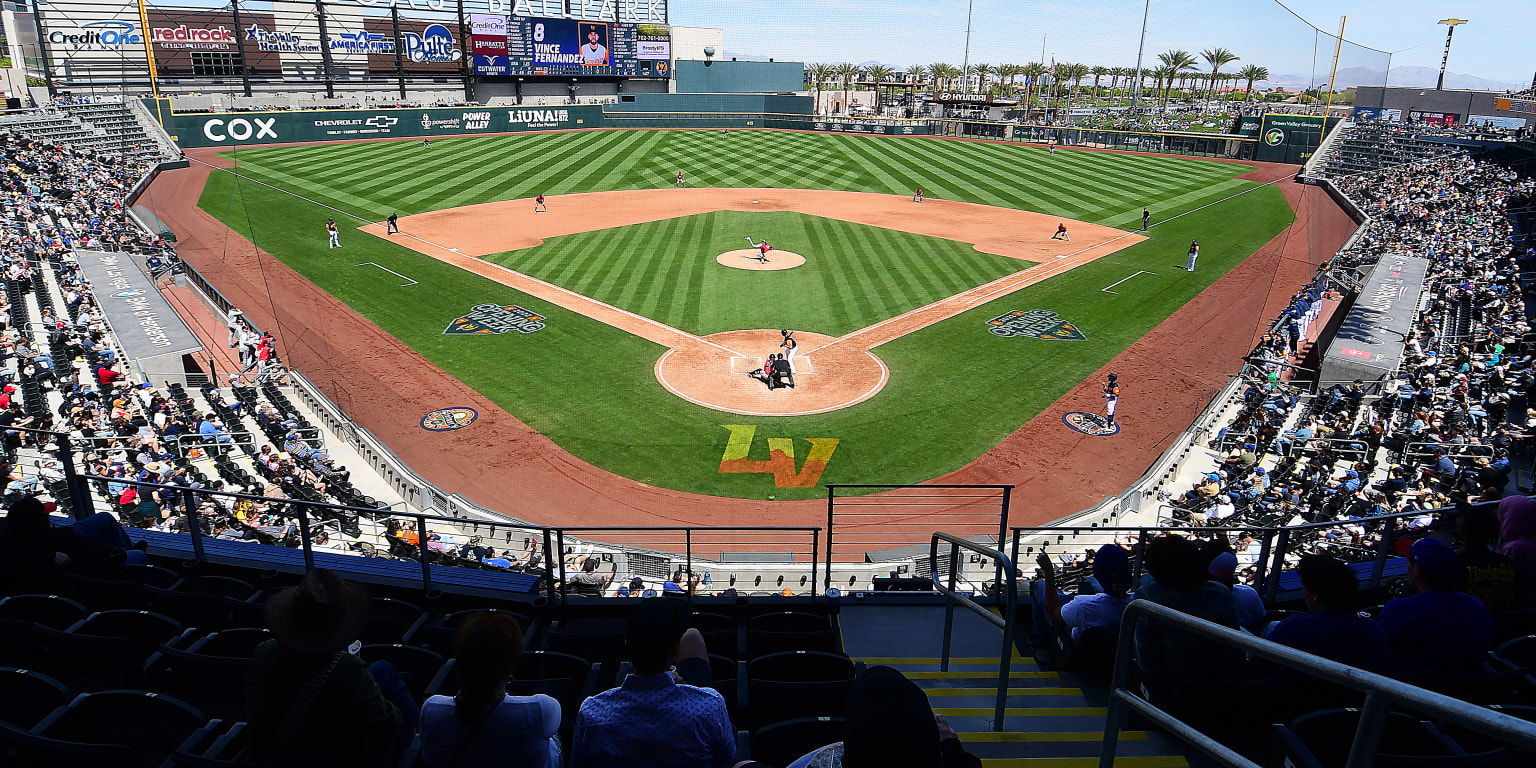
x: 145, y: 663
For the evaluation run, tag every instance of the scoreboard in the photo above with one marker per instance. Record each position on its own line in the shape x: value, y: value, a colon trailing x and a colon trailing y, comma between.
x: 577, y: 48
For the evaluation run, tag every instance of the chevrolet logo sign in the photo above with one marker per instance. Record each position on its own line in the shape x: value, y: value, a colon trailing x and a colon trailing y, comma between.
x: 382, y: 121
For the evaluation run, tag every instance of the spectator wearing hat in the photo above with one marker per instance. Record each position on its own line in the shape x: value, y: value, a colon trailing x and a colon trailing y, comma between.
x: 309, y: 698
x: 665, y: 714
x: 1439, y: 630
x: 1111, y: 571
x: 889, y: 722
x: 1332, y: 629
x: 1223, y: 571
x: 483, y: 725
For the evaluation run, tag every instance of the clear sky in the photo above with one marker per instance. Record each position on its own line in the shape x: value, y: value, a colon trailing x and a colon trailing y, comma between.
x: 1498, y: 43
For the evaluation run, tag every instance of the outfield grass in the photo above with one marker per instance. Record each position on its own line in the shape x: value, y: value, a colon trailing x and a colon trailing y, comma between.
x: 955, y: 389
x: 854, y: 276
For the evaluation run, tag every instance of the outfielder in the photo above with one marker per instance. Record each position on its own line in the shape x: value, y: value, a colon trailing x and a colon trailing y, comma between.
x: 1111, y: 397
x: 790, y: 347
x: 335, y: 234
x: 680, y: 182
x: 1194, y: 253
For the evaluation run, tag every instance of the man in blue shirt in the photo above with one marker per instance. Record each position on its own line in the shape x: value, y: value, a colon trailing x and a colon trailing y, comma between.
x: 211, y: 431
x: 656, y: 718
x: 1333, y: 630
x: 1439, y: 630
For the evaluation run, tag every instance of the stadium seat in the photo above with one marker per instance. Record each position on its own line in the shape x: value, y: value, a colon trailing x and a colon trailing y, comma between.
x: 22, y: 749
x: 152, y: 725
x: 597, y: 643
x: 721, y: 633
x: 48, y: 610
x: 21, y: 643
x: 237, y: 643
x: 107, y: 594
x: 417, y: 666
x: 213, y: 684
x: 27, y: 696
x: 789, y: 631
x: 204, y: 611
x: 1521, y: 651
x: 797, y: 684
x: 1322, y: 740
x: 1505, y: 686
x: 392, y: 621
x: 145, y: 628
x: 784, y: 742
x: 440, y: 635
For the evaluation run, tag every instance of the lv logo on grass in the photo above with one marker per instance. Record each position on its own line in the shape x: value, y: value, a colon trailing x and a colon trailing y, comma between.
x: 781, y: 457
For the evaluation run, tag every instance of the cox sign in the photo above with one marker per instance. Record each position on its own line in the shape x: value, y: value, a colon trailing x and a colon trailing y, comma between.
x: 97, y: 35
x: 240, y: 129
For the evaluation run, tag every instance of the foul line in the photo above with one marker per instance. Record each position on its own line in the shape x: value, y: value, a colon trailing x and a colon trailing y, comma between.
x: 1107, y: 288
x: 530, y: 278
x: 392, y: 272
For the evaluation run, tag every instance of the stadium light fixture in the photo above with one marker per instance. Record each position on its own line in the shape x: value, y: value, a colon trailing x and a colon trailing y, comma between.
x: 1451, y: 25
x: 965, y: 65
x: 1140, y: 49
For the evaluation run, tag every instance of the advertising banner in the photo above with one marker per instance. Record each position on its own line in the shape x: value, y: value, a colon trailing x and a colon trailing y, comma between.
x: 427, y: 46
x: 241, y: 128
x: 204, y: 43
x: 1496, y: 121
x: 1436, y: 118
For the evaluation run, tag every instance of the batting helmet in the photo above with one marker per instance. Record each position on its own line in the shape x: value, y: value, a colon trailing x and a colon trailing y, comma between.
x: 1112, y: 377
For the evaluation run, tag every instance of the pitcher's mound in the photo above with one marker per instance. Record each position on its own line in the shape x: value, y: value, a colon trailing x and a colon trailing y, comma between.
x: 746, y: 258
x: 715, y: 376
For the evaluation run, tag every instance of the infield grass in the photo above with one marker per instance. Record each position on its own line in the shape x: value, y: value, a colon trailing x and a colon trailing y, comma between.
x: 855, y: 275
x: 955, y: 389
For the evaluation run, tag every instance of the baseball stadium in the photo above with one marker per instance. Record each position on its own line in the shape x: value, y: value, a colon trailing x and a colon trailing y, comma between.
x: 620, y: 374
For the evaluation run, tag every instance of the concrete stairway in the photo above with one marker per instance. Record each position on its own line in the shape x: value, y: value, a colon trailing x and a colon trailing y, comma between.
x: 1048, y: 721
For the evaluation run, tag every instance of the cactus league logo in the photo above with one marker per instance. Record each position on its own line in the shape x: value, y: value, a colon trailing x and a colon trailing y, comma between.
x: 1040, y: 324
x: 449, y: 419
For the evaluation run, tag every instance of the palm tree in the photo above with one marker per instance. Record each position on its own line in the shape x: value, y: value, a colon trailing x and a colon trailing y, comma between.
x: 1175, y: 63
x: 1032, y: 73
x: 982, y: 72
x: 941, y: 74
x: 1098, y: 71
x: 1252, y: 73
x: 915, y: 75
x: 847, y: 73
x: 817, y: 73
x: 1217, y: 58
x: 879, y: 73
x: 1075, y: 74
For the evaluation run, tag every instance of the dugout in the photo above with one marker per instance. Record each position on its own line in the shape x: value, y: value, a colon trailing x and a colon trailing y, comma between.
x: 1369, y: 343
x: 154, y: 338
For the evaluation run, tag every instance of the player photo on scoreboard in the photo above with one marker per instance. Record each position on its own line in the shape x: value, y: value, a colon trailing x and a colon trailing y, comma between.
x: 594, y: 44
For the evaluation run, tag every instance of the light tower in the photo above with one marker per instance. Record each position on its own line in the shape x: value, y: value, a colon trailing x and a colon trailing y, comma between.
x: 1451, y: 25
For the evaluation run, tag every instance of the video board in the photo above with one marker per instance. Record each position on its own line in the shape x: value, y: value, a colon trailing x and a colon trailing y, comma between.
x: 541, y: 46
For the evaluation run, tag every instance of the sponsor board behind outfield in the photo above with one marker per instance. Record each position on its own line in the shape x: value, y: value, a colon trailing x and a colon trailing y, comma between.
x: 226, y: 129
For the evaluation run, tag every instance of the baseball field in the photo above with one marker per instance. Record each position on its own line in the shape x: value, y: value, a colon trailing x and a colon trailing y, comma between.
x: 630, y: 334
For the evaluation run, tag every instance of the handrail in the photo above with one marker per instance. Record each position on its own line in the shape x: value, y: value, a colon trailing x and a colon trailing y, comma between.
x: 951, y: 596
x: 1381, y: 692
x: 300, y: 509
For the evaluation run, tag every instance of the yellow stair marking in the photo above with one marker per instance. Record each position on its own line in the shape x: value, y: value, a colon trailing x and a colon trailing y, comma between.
x: 1011, y: 691
x: 953, y: 675
x: 1010, y: 737
x: 1022, y: 711
x: 934, y: 660
x: 1084, y: 762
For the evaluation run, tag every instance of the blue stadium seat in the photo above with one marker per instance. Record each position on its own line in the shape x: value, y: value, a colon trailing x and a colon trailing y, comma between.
x: 784, y: 742
x: 27, y: 696
x: 152, y: 725
x: 48, y: 610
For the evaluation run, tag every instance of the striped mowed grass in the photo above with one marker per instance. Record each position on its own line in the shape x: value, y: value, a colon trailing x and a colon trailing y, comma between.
x: 955, y: 389
x: 855, y: 275
x: 374, y: 179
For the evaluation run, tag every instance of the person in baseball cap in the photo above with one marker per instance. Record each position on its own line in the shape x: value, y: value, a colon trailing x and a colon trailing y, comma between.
x: 1439, y: 630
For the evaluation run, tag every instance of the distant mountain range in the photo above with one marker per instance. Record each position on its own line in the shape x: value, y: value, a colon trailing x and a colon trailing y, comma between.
x: 1403, y: 77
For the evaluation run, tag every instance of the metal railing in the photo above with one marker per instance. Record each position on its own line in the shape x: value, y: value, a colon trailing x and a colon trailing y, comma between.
x: 893, y: 524
x: 1010, y: 592
x: 550, y: 544
x: 1381, y: 693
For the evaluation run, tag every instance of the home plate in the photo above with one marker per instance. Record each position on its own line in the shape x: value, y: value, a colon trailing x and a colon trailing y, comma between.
x: 746, y: 365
